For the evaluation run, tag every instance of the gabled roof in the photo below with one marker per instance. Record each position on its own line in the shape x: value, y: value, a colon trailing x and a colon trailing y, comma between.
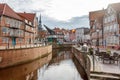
x: 115, y: 6
x: 28, y: 16
x: 96, y: 14
x: 7, y: 11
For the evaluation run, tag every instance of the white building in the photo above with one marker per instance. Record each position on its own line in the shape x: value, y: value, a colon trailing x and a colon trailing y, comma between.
x: 82, y: 34
x: 111, y: 23
x: 66, y: 36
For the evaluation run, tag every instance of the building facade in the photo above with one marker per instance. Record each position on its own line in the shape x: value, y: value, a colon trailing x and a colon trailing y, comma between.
x: 11, y: 27
x: 59, y: 34
x: 96, y: 27
x: 72, y: 35
x: 15, y: 29
x: 82, y: 34
x: 30, y: 30
x: 111, y: 25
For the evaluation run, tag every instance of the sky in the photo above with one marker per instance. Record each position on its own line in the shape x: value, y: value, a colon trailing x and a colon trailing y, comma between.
x: 60, y: 13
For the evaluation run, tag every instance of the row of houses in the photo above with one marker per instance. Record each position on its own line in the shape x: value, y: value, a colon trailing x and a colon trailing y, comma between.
x: 79, y: 35
x: 24, y: 29
x: 16, y: 28
x: 105, y: 26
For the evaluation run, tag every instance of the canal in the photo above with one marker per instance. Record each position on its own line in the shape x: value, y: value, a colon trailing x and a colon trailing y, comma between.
x: 61, y: 67
x: 64, y: 70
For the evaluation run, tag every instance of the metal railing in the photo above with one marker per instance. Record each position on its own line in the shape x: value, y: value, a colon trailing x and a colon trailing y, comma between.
x: 21, y: 45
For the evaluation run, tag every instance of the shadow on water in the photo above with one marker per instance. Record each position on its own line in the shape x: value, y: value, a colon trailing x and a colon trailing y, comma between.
x: 26, y: 71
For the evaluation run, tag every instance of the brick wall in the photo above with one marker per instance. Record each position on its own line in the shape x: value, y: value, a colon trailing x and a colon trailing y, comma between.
x: 21, y: 72
x: 18, y: 56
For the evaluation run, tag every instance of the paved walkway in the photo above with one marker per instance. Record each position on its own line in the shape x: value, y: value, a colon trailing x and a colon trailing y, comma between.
x: 106, y: 67
x: 112, y: 50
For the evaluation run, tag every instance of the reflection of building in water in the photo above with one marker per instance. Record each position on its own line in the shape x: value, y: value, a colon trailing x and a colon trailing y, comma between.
x: 61, y: 71
x: 41, y: 71
x: 32, y: 76
x: 23, y: 72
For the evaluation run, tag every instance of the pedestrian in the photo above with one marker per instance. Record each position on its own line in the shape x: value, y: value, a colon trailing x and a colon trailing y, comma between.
x: 85, y: 47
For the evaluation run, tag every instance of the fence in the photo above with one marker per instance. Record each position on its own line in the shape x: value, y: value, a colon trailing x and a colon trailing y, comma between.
x: 7, y: 46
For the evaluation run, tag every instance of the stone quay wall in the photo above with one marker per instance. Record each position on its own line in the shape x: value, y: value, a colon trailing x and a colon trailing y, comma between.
x: 82, y: 63
x: 12, y: 57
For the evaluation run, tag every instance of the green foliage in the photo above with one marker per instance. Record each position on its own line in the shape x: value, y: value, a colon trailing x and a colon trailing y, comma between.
x: 108, y: 51
x: 90, y: 51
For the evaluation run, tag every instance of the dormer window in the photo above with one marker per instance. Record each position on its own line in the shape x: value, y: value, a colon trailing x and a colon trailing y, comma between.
x: 30, y: 23
x: 26, y: 21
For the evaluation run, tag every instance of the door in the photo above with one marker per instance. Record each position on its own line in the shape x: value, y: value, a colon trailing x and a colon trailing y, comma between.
x: 13, y: 41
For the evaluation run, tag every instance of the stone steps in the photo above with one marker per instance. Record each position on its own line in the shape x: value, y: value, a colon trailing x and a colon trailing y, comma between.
x: 104, y: 76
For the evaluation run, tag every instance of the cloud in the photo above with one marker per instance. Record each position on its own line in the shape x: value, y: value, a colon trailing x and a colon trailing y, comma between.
x: 59, y: 9
x: 60, y: 13
x: 75, y: 22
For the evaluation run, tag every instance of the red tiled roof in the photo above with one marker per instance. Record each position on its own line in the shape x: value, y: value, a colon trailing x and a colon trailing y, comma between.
x: 7, y: 11
x: 28, y: 16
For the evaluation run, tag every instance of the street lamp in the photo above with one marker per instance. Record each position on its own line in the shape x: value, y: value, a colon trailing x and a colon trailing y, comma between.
x: 97, y: 42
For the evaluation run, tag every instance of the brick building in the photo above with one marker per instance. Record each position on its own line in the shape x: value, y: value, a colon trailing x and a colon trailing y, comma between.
x: 59, y: 34
x: 96, y: 24
x: 16, y: 28
x: 72, y: 35
x: 30, y: 23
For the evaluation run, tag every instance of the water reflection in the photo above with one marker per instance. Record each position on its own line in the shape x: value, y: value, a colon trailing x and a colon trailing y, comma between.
x: 65, y: 70
x: 58, y: 69
x: 23, y: 72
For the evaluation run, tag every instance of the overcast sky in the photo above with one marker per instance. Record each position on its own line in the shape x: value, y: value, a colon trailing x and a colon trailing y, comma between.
x: 60, y: 13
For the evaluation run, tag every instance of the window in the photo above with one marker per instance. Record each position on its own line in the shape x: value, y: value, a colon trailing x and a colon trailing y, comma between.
x: 4, y: 40
x: 8, y: 20
x: 20, y: 40
x: 19, y: 24
x: 105, y: 20
x: 21, y: 32
x: 5, y: 29
x: 11, y: 32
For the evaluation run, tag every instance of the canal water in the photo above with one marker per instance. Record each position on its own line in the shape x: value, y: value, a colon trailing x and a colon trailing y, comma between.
x: 61, y: 67
x: 64, y: 70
